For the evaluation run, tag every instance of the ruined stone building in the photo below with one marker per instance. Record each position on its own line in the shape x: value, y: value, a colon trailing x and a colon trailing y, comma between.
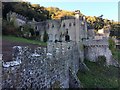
x: 67, y: 29
x: 18, y: 19
x: 58, y: 30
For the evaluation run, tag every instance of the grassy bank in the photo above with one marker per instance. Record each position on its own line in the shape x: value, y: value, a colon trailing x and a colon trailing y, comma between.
x: 99, y: 76
x: 114, y: 50
x: 23, y: 40
x: 116, y: 55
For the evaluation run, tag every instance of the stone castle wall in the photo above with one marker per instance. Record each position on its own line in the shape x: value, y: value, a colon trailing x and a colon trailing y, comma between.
x: 95, y: 48
x: 41, y: 68
x: 56, y: 29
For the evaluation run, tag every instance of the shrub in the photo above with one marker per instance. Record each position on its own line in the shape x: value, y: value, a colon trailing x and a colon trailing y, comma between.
x: 101, y: 60
x: 45, y: 37
x: 111, y: 44
x: 8, y: 28
x: 32, y: 32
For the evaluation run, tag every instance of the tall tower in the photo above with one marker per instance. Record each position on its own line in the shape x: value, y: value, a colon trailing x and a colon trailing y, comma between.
x: 77, y: 26
x: 79, y: 34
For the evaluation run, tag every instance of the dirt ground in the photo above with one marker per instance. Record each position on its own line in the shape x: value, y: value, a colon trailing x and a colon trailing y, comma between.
x: 7, y: 48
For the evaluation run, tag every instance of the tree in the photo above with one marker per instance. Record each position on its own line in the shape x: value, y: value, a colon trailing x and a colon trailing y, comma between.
x: 45, y: 36
x: 115, y: 30
x: 26, y: 9
x: 95, y: 22
x: 7, y: 7
x: 32, y: 32
x: 56, y: 13
x: 10, y: 29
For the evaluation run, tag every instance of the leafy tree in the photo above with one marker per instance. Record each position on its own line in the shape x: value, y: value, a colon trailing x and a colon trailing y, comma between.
x: 26, y: 9
x: 95, y: 22
x: 101, y: 60
x: 115, y: 30
x: 7, y: 7
x: 45, y: 36
x: 56, y: 13
x: 10, y: 29
x: 32, y: 32
x: 111, y: 44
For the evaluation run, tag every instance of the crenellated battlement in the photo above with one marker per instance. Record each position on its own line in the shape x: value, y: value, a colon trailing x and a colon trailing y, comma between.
x: 97, y: 47
x: 94, y: 42
x: 12, y: 15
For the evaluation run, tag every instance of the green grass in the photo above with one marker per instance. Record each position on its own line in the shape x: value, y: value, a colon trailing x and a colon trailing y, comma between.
x: 115, y: 52
x: 23, y: 40
x: 99, y: 76
x: 116, y: 55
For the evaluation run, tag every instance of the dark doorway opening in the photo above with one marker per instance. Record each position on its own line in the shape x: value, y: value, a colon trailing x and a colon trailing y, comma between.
x: 67, y: 38
x: 37, y: 33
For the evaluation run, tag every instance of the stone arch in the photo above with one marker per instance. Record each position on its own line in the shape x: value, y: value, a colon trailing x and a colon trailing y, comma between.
x: 67, y: 38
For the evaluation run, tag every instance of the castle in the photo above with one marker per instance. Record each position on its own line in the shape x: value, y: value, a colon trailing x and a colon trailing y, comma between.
x: 68, y: 29
x: 58, y: 30
x: 69, y: 43
x: 74, y: 29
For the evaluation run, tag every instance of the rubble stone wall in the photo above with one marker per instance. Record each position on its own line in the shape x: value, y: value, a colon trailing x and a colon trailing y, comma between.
x: 41, y: 68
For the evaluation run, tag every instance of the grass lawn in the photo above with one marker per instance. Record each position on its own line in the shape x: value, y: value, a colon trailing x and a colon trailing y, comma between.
x: 116, y: 54
x: 99, y: 76
x: 114, y: 50
x: 23, y: 40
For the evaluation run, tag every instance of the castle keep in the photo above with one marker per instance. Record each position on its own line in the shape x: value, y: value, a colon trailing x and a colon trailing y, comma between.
x: 56, y: 66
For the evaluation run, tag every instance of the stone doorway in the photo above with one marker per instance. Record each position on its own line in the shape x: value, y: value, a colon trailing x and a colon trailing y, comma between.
x: 67, y: 38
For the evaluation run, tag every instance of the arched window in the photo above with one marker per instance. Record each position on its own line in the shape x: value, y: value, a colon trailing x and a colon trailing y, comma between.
x: 67, y: 38
x: 69, y: 24
x: 35, y: 27
x: 67, y: 31
x: 56, y: 38
x: 52, y: 26
x: 74, y: 24
x: 64, y: 25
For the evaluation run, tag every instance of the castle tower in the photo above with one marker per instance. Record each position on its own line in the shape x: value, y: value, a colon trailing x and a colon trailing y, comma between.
x: 79, y: 34
x: 85, y: 27
x: 77, y: 22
